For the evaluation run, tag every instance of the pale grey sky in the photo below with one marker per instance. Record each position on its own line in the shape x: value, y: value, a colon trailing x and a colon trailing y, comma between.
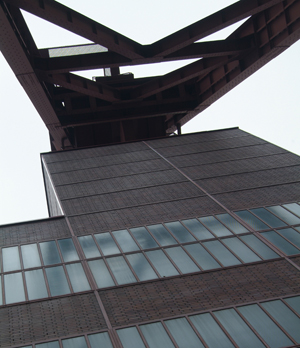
x: 266, y: 104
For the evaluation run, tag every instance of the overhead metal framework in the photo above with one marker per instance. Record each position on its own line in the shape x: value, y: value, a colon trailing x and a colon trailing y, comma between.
x: 117, y: 108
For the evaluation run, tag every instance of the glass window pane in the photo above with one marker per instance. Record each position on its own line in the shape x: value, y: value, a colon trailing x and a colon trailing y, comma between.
x: 268, y: 217
x: 0, y: 292
x: 280, y: 243
x: 285, y: 215
x: 107, y: 244
x: 89, y: 247
x: 182, y: 260
x: 265, y: 327
x: 202, y: 257
x: 53, y: 344
x: 50, y: 253
x: 11, y: 259
x: 30, y: 256
x: 77, y: 277
x: 210, y: 331
x: 100, y: 340
x: 130, y: 338
x: 183, y: 334
x: 293, y: 207
x: 230, y: 222
x: 180, y: 232
x: 156, y: 336
x: 215, y: 226
x: 251, y: 220
x: 57, y: 281
x: 125, y: 241
x: 35, y: 283
x: 261, y: 248
x: 294, y: 302
x: 162, y: 235
x: 77, y: 342
x: 241, y: 250
x: 198, y: 229
x: 68, y: 250
x: 13, y: 288
x: 221, y: 253
x: 238, y: 329
x: 291, y: 235
x: 141, y: 266
x: 285, y: 317
x: 101, y: 273
x: 162, y: 263
x: 121, y: 270
x: 144, y: 238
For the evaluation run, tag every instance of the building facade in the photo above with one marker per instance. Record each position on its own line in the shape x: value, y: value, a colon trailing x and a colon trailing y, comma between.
x: 186, y: 241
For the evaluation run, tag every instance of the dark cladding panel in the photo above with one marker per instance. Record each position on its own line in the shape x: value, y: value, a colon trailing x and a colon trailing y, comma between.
x: 55, y: 318
x: 143, y: 215
x: 33, y: 231
x: 179, y: 296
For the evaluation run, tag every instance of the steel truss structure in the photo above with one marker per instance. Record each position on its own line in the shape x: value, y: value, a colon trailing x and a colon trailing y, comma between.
x: 116, y: 108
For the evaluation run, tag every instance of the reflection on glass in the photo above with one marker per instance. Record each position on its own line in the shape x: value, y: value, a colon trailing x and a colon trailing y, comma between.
x: 251, y: 220
x: 291, y: 235
x: 215, y: 226
x: 77, y: 277
x: 231, y: 223
x: 89, y: 247
x: 0, y: 292
x: 30, y: 256
x: 100, y: 340
x: 57, y: 281
x: 285, y: 215
x: 293, y: 207
x: 130, y: 338
x: 210, y: 331
x: 183, y: 334
x: 201, y: 256
x: 198, y: 229
x: 294, y: 302
x: 241, y: 250
x: 267, y: 217
x: 162, y: 263
x: 11, y: 260
x: 50, y: 253
x: 182, y: 260
x: 281, y: 243
x: 13, y: 288
x: 68, y: 250
x: 143, y: 237
x: 162, y: 235
x: 125, y: 241
x: 221, y: 253
x: 261, y: 248
x: 156, y: 336
x: 180, y: 232
x: 238, y: 329
x: 53, y: 344
x: 285, y: 317
x: 101, y: 273
x: 36, y: 286
x: 141, y: 266
x: 107, y: 244
x: 77, y: 342
x: 121, y: 270
x: 265, y: 327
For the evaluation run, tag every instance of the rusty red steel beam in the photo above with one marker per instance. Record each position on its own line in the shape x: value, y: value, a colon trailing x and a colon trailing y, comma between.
x: 209, y: 25
x: 112, y: 59
x: 83, y: 86
x: 79, y: 24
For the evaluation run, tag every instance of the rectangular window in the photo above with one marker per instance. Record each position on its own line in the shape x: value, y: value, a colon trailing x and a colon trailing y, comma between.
x: 68, y: 250
x: 125, y: 241
x: 13, y: 287
x: 144, y: 238
x: 107, y: 244
x: 251, y: 220
x: 180, y: 232
x: 280, y: 243
x: 161, y: 235
x: 100, y: 340
x: 293, y: 207
x: 121, y: 270
x: 268, y: 217
x: 162, y: 263
x: 77, y: 277
x: 291, y: 235
x: 156, y: 336
x: 57, y: 281
x: 221, y: 253
x: 182, y: 260
x: 241, y: 250
x: 101, y: 274
x: 261, y: 248
x: 89, y: 247
x: 36, y: 286
x: 30, y: 256
x: 130, y: 338
x: 285, y: 215
x: 201, y: 256
x: 215, y: 226
x: 50, y: 253
x: 197, y: 229
x: 141, y: 266
x: 231, y: 223
x: 11, y: 259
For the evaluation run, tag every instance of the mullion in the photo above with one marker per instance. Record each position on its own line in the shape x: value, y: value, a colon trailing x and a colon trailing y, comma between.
x: 248, y: 246
x: 196, y: 331
x: 207, y: 227
x: 223, y: 329
x: 266, y: 207
x: 232, y: 252
x: 282, y: 236
x: 169, y: 334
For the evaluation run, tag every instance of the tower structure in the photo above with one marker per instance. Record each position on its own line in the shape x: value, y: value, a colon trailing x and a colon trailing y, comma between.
x: 155, y: 241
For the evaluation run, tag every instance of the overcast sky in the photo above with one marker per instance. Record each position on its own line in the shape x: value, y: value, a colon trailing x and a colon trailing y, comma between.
x: 266, y: 104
